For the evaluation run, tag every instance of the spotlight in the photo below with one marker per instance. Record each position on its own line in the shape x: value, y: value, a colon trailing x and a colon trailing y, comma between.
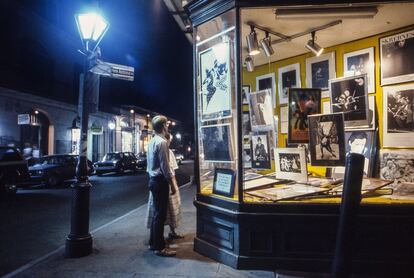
x: 249, y: 63
x: 266, y: 44
x: 252, y: 43
x: 313, y: 46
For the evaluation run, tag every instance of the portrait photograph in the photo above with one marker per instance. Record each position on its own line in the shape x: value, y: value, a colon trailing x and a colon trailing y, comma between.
x: 215, y: 84
x: 267, y: 81
x: 302, y: 102
x: 319, y: 69
x: 349, y: 96
x: 398, y: 103
x: 361, y: 62
x: 326, y: 144
x: 260, y: 151
x: 246, y: 123
x: 247, y: 157
x: 260, y: 109
x: 245, y: 93
x: 289, y: 77
x: 291, y: 164
x: 216, y: 143
x: 397, y: 58
x: 397, y: 166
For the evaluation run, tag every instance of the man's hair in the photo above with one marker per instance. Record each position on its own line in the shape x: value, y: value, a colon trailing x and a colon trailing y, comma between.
x: 259, y: 139
x: 357, y: 135
x: 158, y: 123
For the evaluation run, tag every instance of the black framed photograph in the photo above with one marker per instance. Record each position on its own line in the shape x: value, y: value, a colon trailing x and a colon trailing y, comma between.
x: 215, y: 83
x: 216, y: 143
x: 302, y: 102
x: 267, y: 81
x: 224, y: 180
x: 247, y: 156
x: 288, y: 77
x: 260, y: 150
x: 245, y: 92
x: 261, y: 110
x: 319, y: 69
x: 398, y: 129
x: 327, y: 146
x: 397, y: 58
x: 291, y: 164
x: 361, y: 62
x: 246, y: 123
x: 349, y: 95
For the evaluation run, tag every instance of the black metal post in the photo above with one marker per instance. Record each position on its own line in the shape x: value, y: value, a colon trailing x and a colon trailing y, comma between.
x: 79, y: 241
x: 351, y: 198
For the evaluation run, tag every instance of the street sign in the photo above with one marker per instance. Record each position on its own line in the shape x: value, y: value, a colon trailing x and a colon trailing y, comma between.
x: 113, y: 70
x: 23, y: 119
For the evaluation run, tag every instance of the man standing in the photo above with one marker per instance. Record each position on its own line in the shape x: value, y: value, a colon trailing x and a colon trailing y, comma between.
x: 159, y: 184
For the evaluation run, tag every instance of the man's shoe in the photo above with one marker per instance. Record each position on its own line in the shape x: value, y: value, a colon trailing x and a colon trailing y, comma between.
x: 172, y: 236
x: 165, y: 253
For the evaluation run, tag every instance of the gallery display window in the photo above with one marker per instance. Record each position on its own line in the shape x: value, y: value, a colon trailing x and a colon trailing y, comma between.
x: 282, y: 94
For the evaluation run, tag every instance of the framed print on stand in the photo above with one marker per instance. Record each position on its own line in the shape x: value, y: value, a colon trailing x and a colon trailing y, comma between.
x: 288, y: 77
x: 215, y: 83
x: 245, y: 93
x: 397, y: 165
x: 302, y: 102
x: 260, y: 150
x: 319, y: 69
x: 291, y: 164
x: 326, y: 145
x: 267, y: 81
x: 397, y: 58
x: 261, y: 110
x: 216, y: 143
x: 398, y: 105
x: 247, y: 156
x: 361, y: 62
x: 349, y: 96
x: 224, y: 180
x: 372, y: 116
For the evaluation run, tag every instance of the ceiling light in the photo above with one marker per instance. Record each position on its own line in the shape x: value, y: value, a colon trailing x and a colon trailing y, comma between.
x: 252, y: 43
x: 249, y: 63
x: 327, y: 12
x: 313, y: 46
x: 266, y: 44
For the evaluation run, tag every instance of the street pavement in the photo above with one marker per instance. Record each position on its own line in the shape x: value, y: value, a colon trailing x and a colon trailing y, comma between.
x: 36, y: 221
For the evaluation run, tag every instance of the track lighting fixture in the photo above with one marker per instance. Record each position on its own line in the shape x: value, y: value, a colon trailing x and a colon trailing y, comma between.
x: 266, y: 44
x: 313, y: 46
x: 249, y: 63
x: 252, y: 42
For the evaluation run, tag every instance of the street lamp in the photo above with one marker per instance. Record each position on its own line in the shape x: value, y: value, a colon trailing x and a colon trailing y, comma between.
x: 132, y: 111
x: 178, y: 136
x: 92, y: 28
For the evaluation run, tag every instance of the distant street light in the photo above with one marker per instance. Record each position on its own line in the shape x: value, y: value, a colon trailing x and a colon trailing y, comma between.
x: 92, y: 28
x: 178, y: 136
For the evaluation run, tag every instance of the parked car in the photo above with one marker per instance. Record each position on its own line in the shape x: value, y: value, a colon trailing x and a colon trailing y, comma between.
x: 13, y: 170
x: 142, y: 160
x: 52, y: 170
x: 117, y: 162
x: 178, y: 156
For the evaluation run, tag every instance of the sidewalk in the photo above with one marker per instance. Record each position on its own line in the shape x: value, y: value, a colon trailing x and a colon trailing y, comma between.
x: 120, y: 250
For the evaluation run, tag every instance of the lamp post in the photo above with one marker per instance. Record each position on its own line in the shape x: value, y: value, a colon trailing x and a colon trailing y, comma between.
x: 92, y: 28
x: 132, y: 111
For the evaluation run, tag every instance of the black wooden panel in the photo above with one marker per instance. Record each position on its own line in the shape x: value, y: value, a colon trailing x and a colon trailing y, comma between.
x: 216, y: 230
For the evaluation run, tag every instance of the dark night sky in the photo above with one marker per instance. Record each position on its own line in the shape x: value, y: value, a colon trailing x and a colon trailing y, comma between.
x: 144, y: 35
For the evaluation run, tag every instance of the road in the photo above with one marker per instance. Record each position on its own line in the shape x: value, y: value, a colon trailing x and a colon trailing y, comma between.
x: 36, y: 221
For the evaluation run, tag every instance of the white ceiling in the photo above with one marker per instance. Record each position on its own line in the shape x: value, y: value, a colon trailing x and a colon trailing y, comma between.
x: 389, y: 17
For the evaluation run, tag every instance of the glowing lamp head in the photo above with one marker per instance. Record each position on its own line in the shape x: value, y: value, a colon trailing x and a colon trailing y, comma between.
x: 91, y: 26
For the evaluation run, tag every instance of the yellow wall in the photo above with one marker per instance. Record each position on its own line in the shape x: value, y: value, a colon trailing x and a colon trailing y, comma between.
x: 250, y: 77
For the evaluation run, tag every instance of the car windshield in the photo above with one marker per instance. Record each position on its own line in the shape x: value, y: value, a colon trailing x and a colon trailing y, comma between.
x: 111, y: 156
x: 9, y: 154
x: 50, y: 160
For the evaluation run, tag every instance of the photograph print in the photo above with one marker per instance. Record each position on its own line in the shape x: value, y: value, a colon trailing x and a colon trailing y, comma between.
x: 288, y: 77
x: 398, y: 120
x: 319, y: 69
x: 397, y: 166
x: 247, y: 157
x: 397, y: 58
x: 267, y: 81
x: 261, y: 110
x: 216, y: 143
x: 349, y: 96
x: 361, y: 62
x: 260, y: 150
x: 215, y: 83
x: 245, y: 93
x: 302, y: 102
x: 246, y: 123
x: 363, y: 142
x: 291, y: 164
x: 326, y: 144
